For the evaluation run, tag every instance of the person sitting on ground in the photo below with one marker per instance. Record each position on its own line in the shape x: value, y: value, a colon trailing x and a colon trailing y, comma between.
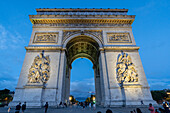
x: 142, y: 102
x: 151, y: 108
x: 138, y: 110
x: 109, y: 111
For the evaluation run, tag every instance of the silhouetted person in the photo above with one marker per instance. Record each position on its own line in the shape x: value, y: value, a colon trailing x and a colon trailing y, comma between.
x: 23, y: 107
x: 46, y: 107
x: 134, y: 111
x: 99, y: 112
x: 61, y: 104
x: 156, y: 111
x: 142, y: 102
x: 138, y: 110
x: 18, y: 107
x: 161, y: 110
x: 65, y: 105
x: 108, y: 111
x: 166, y: 109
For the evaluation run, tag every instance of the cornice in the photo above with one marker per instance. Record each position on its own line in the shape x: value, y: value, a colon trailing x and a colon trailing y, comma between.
x: 81, y: 10
x: 82, y: 16
x: 82, y: 21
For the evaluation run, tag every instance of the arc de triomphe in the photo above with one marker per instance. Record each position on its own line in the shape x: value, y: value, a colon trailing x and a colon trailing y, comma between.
x: 104, y: 36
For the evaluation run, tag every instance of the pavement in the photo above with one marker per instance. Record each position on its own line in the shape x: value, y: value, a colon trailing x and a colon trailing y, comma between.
x: 76, y: 110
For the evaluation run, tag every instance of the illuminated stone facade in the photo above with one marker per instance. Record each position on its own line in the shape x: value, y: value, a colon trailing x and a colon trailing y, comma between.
x: 104, y: 36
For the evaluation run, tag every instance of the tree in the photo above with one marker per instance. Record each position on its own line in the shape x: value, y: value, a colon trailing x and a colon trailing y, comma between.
x: 159, y: 95
x: 4, y: 95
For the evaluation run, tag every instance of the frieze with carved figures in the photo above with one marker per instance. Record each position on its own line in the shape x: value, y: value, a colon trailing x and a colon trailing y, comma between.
x: 125, y: 69
x: 46, y: 38
x: 40, y: 69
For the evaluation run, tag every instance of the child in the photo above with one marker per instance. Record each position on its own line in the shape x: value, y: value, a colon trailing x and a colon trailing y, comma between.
x: 9, y: 109
x: 156, y: 111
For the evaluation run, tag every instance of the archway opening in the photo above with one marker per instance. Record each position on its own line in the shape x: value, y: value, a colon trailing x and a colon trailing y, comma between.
x: 87, y: 48
x: 82, y: 83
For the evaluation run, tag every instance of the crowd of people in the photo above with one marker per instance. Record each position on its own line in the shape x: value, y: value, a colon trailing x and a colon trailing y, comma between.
x: 18, y: 107
x: 164, y: 109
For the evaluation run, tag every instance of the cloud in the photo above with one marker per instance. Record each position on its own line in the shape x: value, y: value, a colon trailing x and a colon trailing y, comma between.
x: 159, y: 84
x: 82, y: 88
x: 9, y: 39
x: 11, y: 43
x: 8, y: 84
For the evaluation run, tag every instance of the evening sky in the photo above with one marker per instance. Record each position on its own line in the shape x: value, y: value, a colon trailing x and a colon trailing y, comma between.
x: 151, y: 30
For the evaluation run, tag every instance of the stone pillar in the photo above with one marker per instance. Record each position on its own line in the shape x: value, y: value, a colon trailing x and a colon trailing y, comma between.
x: 104, y: 80
x: 60, y: 83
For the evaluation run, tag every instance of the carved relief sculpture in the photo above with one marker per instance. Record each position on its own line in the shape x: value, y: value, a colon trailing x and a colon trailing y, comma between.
x: 40, y: 69
x: 118, y: 37
x: 46, y: 37
x: 125, y: 69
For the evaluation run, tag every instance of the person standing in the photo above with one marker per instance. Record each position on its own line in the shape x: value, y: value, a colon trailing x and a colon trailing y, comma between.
x: 94, y: 106
x: 18, y: 107
x: 109, y: 111
x: 156, y: 111
x: 90, y: 106
x: 138, y: 110
x: 46, y: 107
x: 23, y: 107
x: 151, y: 108
x: 9, y: 109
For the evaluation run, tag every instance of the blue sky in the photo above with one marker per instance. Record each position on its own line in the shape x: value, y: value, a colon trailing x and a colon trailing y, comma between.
x: 150, y: 28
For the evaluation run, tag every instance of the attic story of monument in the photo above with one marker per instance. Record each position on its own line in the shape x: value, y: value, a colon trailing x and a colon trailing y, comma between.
x: 104, y: 36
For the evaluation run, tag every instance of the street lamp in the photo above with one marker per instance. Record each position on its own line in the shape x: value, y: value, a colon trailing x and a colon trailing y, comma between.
x: 70, y: 98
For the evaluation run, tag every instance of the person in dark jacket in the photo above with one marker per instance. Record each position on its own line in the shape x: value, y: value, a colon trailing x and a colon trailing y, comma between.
x: 138, y: 110
x: 18, y: 107
x: 23, y: 107
x: 109, y: 111
x: 46, y: 107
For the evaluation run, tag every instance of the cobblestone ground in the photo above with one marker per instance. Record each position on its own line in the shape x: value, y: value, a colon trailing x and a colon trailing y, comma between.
x: 75, y: 110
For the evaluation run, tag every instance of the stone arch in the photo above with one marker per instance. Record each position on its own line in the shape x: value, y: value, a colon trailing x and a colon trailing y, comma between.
x: 64, y: 43
x: 83, y: 46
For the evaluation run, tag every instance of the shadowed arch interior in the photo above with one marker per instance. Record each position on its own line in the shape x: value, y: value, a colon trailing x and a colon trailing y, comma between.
x: 82, y: 46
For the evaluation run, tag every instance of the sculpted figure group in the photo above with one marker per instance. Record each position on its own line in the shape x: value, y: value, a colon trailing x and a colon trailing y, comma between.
x: 125, y: 69
x: 39, y: 71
